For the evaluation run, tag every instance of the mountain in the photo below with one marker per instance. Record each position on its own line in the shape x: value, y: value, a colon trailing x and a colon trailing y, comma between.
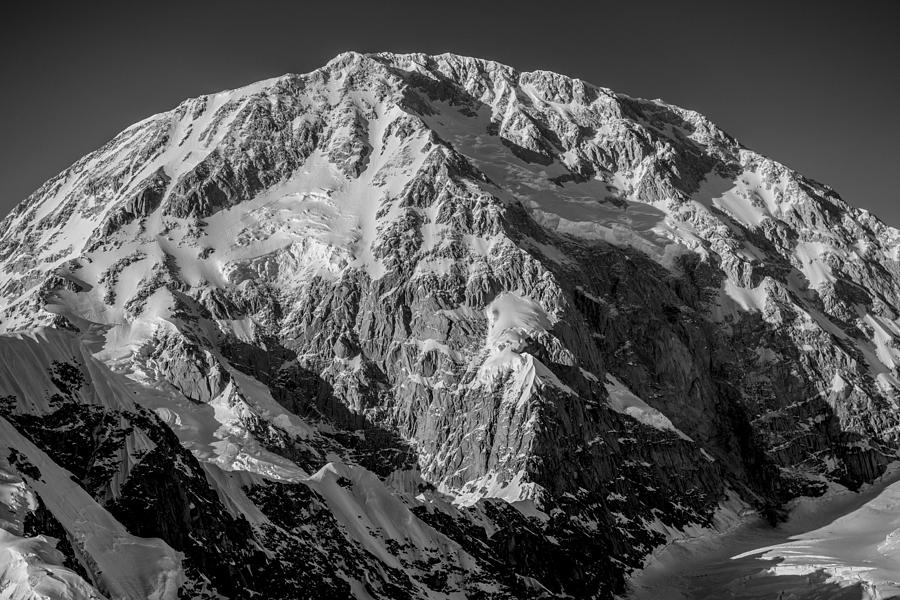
x: 418, y: 326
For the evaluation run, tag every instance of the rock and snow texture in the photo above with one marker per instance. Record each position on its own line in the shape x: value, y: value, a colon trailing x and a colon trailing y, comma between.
x: 420, y: 326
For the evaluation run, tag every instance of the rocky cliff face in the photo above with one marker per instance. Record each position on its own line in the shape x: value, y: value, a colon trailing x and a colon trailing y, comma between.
x: 419, y: 326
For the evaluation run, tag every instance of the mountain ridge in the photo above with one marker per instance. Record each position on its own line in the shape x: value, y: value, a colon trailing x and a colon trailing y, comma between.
x: 487, y: 333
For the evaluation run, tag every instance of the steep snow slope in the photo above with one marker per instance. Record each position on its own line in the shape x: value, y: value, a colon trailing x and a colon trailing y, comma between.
x: 52, y: 385
x: 30, y: 567
x: 123, y: 565
x: 408, y: 315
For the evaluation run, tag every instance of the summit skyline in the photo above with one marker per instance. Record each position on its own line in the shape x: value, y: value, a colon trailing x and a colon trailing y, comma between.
x: 814, y: 90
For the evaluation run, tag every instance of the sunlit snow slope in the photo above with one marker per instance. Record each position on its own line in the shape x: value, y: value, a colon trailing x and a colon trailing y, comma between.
x: 418, y: 326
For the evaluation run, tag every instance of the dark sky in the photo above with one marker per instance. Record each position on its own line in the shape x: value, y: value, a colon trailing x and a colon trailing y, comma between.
x: 812, y: 84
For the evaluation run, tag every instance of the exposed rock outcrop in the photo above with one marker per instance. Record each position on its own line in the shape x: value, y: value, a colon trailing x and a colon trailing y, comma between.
x: 420, y: 326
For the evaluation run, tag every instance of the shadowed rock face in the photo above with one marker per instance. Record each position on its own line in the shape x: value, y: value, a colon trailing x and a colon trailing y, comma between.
x: 420, y: 326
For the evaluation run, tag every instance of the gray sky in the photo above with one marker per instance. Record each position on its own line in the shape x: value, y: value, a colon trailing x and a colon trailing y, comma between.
x: 811, y: 84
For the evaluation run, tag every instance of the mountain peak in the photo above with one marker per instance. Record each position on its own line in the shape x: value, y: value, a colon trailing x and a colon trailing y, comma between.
x: 411, y: 312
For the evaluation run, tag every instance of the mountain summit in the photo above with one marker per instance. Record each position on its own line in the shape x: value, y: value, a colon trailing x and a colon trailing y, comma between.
x: 418, y: 326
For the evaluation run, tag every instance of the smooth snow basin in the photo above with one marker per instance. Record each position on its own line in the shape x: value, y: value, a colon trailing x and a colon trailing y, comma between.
x: 840, y: 546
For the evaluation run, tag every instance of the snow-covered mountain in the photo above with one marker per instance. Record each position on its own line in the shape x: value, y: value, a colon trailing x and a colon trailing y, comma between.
x: 420, y: 326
